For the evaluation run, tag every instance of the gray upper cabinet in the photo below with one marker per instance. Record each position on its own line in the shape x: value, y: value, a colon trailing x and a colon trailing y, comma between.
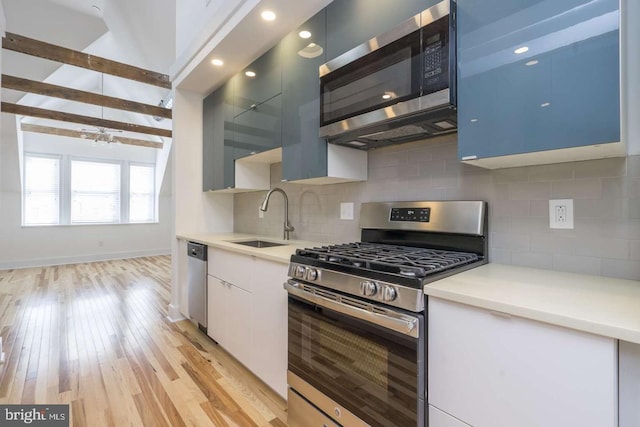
x: 218, y: 146
x: 304, y: 153
x: 262, y: 85
x: 353, y: 22
x: 305, y: 156
x: 259, y: 128
x: 538, y: 81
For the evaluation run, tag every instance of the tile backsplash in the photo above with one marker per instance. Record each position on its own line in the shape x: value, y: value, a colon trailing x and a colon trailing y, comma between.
x: 606, y: 193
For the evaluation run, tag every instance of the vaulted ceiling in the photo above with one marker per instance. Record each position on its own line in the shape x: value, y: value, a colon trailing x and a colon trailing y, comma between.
x: 141, y: 33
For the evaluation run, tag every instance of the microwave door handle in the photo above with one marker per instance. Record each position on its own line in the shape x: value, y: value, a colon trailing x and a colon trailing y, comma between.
x: 400, y: 323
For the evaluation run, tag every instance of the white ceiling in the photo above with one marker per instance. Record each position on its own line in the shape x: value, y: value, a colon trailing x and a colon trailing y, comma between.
x: 239, y: 44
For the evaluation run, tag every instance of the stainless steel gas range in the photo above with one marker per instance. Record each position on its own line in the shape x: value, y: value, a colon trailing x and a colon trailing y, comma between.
x: 356, y: 312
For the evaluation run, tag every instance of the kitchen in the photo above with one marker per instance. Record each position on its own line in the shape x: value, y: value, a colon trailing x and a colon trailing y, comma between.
x: 517, y: 197
x: 604, y: 242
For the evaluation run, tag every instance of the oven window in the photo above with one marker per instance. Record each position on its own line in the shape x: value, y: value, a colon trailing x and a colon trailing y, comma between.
x: 370, y: 371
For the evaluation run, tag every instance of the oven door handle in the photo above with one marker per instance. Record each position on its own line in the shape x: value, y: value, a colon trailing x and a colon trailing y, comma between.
x: 398, y: 322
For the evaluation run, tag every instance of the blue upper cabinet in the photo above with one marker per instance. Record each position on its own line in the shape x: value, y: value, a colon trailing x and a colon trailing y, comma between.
x: 538, y: 81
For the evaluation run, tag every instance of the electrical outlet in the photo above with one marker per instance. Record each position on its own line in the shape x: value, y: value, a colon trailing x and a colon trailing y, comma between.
x: 346, y: 210
x: 561, y: 213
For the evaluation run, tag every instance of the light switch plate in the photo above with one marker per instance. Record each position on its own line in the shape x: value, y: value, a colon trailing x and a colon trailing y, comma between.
x: 346, y: 210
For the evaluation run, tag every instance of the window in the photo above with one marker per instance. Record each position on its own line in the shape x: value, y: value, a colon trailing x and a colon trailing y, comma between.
x: 62, y: 190
x: 141, y: 193
x: 95, y: 192
x: 41, y: 190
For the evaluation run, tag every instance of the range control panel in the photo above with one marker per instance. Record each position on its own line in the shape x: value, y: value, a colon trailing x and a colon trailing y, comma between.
x: 410, y: 214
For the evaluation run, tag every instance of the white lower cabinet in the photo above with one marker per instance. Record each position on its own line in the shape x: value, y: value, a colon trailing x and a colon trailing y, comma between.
x: 250, y: 320
x: 490, y: 369
x: 229, y: 318
x: 269, y: 324
x: 437, y: 418
x: 217, y: 310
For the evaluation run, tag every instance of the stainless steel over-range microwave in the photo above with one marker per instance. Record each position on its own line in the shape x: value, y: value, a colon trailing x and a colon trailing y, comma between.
x: 397, y: 87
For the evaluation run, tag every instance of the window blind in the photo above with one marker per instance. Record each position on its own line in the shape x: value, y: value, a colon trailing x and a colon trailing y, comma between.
x: 95, y: 192
x: 41, y: 190
x: 141, y: 193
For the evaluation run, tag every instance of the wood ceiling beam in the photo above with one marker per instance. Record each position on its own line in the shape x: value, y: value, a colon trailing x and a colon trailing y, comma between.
x: 47, y: 89
x: 87, y: 136
x: 64, y: 55
x: 42, y: 113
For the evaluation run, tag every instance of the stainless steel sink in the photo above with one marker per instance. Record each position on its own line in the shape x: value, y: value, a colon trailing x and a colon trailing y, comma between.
x: 259, y: 243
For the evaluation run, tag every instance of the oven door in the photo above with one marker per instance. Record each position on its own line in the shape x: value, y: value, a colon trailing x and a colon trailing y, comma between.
x: 359, y: 363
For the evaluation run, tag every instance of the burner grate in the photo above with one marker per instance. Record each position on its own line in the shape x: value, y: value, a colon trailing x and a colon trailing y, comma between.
x: 403, y: 260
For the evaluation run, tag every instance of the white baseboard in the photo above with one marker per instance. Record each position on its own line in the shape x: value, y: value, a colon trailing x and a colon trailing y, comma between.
x: 77, y: 259
x: 174, y: 314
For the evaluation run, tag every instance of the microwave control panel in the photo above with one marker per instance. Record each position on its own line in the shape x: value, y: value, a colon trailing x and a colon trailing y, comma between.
x: 435, y: 56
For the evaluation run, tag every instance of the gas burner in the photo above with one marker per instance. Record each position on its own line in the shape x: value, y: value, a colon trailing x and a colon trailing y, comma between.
x: 407, y: 261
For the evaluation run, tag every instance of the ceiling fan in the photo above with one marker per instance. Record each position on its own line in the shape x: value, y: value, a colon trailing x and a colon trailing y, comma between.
x: 100, y: 135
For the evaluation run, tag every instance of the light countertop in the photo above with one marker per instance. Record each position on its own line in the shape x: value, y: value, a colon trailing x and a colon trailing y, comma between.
x: 280, y: 254
x: 595, y: 304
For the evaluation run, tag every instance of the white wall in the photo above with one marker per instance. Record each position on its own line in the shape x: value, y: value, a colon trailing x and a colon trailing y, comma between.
x: 34, y: 246
x: 3, y: 26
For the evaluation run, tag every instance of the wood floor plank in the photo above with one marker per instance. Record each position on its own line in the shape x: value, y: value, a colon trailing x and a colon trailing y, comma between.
x: 96, y: 336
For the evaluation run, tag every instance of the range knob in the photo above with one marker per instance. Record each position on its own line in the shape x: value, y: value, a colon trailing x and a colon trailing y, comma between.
x: 299, y: 273
x: 312, y: 274
x: 368, y: 288
x: 389, y: 294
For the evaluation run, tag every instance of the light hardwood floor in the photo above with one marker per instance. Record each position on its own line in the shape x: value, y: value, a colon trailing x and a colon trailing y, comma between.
x: 96, y: 336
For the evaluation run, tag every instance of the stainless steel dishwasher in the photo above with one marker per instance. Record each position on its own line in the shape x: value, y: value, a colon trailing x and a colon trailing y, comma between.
x: 197, y: 283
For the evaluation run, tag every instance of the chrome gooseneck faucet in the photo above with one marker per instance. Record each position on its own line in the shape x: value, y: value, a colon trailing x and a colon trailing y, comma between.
x: 265, y: 204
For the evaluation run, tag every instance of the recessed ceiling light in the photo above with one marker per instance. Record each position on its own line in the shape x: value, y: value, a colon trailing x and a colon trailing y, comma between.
x: 250, y: 73
x: 530, y: 63
x: 520, y: 50
x: 304, y: 34
x: 217, y: 62
x: 545, y: 104
x: 268, y: 15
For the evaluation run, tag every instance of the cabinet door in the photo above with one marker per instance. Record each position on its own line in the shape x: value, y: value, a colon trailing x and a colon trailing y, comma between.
x: 269, y: 325
x: 490, y: 369
x: 535, y: 76
x: 239, y: 325
x: 258, y: 129
x: 217, y: 310
x: 230, y: 267
x: 267, y: 82
x: 304, y: 153
x: 353, y: 22
x: 217, y: 143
